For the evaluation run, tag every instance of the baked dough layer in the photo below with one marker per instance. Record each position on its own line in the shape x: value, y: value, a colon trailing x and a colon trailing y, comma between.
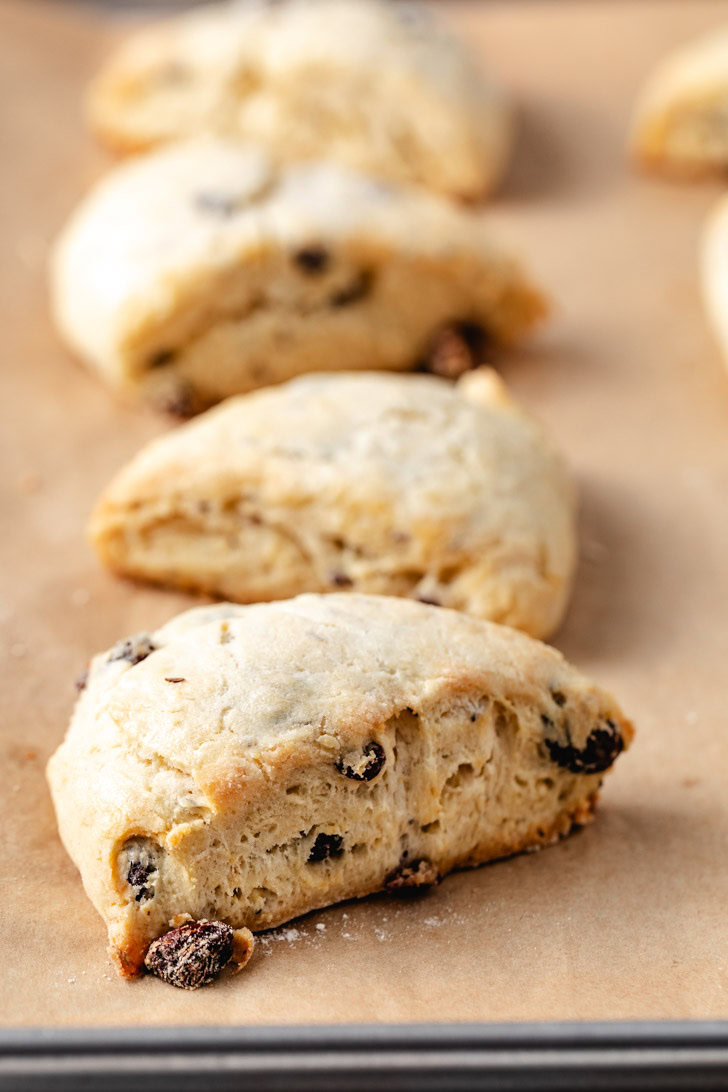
x: 386, y: 484
x: 202, y: 270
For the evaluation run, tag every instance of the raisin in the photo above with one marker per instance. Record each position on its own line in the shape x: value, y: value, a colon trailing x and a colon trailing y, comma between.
x: 312, y: 259
x: 340, y: 580
x: 137, y: 876
x: 558, y: 697
x: 368, y: 766
x: 419, y: 873
x: 219, y: 204
x: 359, y: 287
x: 182, y: 401
x: 174, y: 678
x: 133, y: 649
x: 164, y: 356
x: 602, y: 746
x: 192, y: 955
x: 455, y: 349
x: 325, y: 846
x: 81, y: 681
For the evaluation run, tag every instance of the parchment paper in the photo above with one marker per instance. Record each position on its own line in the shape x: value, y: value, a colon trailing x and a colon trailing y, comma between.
x: 627, y: 918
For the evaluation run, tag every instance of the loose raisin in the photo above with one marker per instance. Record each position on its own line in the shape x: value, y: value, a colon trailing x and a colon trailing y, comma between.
x: 312, y: 259
x: 134, y: 649
x: 419, y: 873
x: 602, y: 746
x: 368, y: 766
x: 325, y: 846
x: 192, y: 955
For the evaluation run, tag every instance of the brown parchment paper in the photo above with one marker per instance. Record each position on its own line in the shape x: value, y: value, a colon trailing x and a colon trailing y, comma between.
x: 625, y: 919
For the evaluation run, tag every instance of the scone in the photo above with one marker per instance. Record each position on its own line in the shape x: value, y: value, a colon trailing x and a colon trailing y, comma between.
x: 201, y: 271
x: 377, y: 86
x: 680, y: 124
x: 371, y: 482
x: 249, y: 764
x: 714, y: 273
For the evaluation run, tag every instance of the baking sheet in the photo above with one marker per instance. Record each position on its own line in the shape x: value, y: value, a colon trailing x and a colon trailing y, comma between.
x: 625, y: 920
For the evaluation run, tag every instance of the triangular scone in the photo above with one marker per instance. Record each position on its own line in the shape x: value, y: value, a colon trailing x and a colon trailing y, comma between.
x: 202, y: 270
x: 250, y: 764
x: 377, y: 483
x: 680, y: 124
x: 378, y: 86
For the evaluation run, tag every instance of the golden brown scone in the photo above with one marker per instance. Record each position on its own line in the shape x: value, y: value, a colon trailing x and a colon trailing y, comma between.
x: 680, y: 124
x: 377, y: 86
x: 201, y: 270
x: 246, y: 765
x: 370, y: 482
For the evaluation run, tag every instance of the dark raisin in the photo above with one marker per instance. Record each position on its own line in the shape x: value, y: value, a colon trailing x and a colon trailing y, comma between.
x: 340, y: 580
x: 455, y: 349
x: 419, y: 873
x: 558, y: 697
x: 223, y: 205
x: 325, y: 846
x: 81, y: 681
x: 368, y: 766
x: 428, y: 599
x: 312, y: 259
x: 359, y: 287
x: 133, y: 649
x: 174, y: 678
x: 192, y: 955
x: 181, y: 401
x: 137, y: 876
x: 598, y: 753
x: 164, y: 356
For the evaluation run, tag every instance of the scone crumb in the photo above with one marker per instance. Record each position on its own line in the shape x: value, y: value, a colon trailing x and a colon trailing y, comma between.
x: 243, y: 944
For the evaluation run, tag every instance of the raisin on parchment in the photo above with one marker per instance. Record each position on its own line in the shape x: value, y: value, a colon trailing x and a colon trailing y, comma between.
x: 602, y: 746
x: 192, y: 955
x: 367, y: 766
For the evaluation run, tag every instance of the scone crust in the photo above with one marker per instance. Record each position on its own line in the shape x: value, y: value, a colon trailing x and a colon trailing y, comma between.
x: 231, y: 708
x: 298, y: 77
x: 397, y: 485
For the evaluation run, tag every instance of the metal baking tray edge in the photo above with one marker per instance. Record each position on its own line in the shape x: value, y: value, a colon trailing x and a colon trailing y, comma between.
x: 423, y: 1057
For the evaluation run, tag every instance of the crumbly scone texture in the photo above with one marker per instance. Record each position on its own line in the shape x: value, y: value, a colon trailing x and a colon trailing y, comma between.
x: 714, y: 273
x: 250, y: 764
x: 202, y: 270
x: 680, y: 123
x: 371, y: 482
x: 380, y: 87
